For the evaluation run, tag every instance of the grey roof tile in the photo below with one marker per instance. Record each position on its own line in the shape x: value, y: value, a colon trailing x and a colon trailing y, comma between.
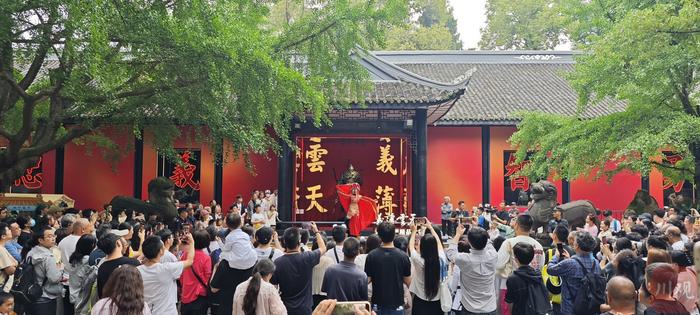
x: 498, y: 91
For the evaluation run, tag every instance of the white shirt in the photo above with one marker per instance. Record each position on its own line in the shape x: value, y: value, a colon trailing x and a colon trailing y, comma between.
x: 505, y: 254
x: 265, y: 253
x: 418, y: 279
x: 336, y: 250
x: 477, y: 271
x: 67, y: 247
x: 168, y: 257
x: 258, y: 217
x: 271, y: 218
x: 238, y: 250
x: 159, y: 288
x: 678, y: 245
x: 102, y: 307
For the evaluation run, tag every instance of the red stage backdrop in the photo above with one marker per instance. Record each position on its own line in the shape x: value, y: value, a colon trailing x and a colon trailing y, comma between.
x: 320, y: 162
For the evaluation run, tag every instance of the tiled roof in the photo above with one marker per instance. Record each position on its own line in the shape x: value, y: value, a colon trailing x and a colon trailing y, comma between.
x: 503, y: 84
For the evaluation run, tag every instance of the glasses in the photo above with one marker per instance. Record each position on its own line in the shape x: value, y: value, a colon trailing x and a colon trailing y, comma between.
x: 48, y: 236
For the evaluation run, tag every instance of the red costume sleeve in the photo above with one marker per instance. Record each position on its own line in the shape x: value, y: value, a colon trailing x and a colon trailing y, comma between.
x: 366, y: 205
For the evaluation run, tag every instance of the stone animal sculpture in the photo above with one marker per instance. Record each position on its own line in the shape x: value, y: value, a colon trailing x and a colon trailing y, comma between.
x: 161, y: 202
x: 544, y: 197
x: 643, y: 202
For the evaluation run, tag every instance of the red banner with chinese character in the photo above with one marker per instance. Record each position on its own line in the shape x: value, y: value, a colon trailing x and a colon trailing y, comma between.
x: 184, y: 172
x: 382, y: 163
x: 681, y: 187
x: 31, y: 181
x: 516, y: 188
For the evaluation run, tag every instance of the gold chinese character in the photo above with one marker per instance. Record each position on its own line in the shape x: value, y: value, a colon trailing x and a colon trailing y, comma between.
x: 386, y: 159
x: 385, y: 195
x: 313, y: 195
x: 315, y: 154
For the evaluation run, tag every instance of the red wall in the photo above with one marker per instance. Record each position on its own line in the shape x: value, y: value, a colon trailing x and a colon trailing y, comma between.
x: 90, y: 179
x: 613, y: 195
x: 454, y: 167
x: 239, y: 180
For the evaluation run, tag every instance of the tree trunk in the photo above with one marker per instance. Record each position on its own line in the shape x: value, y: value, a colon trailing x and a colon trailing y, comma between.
x: 9, y: 174
x: 695, y: 149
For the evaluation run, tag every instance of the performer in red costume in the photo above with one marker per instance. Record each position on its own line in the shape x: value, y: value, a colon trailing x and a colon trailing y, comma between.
x: 361, y: 211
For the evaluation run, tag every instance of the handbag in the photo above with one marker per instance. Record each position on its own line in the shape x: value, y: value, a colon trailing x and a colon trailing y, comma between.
x: 445, y: 297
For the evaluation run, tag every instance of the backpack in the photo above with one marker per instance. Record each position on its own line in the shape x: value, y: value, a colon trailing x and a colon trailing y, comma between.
x: 592, y: 292
x: 25, y: 289
x: 537, y: 302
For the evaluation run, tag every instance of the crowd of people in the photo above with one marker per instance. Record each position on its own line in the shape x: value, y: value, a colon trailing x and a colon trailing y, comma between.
x: 68, y: 261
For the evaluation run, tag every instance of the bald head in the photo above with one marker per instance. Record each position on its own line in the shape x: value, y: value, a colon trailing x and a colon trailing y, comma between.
x: 81, y: 226
x: 621, y: 294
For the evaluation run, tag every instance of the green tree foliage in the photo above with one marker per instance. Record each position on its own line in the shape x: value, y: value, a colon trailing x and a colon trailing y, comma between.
x: 523, y: 24
x: 430, y: 26
x: 68, y: 67
x: 643, y: 52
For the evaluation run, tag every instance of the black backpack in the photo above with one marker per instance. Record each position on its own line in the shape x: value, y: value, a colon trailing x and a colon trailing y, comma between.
x: 537, y: 300
x: 592, y: 292
x: 25, y: 289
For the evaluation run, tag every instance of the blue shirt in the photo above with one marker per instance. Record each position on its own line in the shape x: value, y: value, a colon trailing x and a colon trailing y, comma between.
x: 570, y: 273
x: 15, y: 249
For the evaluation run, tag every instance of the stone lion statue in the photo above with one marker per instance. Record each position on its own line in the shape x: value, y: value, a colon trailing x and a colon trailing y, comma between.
x: 544, y: 199
x: 643, y: 202
x: 161, y: 202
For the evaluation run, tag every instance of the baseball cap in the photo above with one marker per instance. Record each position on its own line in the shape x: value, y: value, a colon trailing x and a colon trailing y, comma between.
x: 119, y: 232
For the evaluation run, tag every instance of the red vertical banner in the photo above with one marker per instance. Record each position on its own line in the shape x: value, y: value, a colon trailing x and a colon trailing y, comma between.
x: 321, y: 162
x: 516, y: 188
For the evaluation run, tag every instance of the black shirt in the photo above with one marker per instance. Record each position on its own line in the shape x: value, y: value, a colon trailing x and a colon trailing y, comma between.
x: 227, y: 279
x: 524, y: 282
x: 387, y: 267
x: 663, y: 307
x: 293, y: 274
x: 107, y: 267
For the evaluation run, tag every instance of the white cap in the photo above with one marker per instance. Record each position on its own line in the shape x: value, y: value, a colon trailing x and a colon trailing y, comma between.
x: 119, y: 232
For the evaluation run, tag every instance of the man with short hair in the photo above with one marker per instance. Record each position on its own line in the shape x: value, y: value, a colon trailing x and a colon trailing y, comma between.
x: 615, y: 225
x: 166, y: 236
x: 344, y: 281
x: 339, y: 233
x: 661, y: 279
x: 559, y: 236
x: 557, y: 219
x: 621, y: 296
x: 12, y: 246
x: 659, y: 218
x: 294, y: 271
x: 445, y: 213
x: 159, y: 286
x: 673, y: 234
x: 113, y: 245
x: 476, y: 271
x: 67, y: 246
x: 570, y: 271
x: 506, y: 260
x: 388, y: 269
x: 525, y: 282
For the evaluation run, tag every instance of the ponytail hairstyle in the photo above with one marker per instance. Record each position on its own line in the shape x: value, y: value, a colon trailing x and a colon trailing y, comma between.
x: 263, y: 268
x: 429, y: 253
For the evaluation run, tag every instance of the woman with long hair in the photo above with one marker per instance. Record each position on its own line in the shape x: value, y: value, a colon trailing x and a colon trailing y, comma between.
x: 426, y: 263
x: 82, y: 275
x: 123, y: 294
x: 257, y: 296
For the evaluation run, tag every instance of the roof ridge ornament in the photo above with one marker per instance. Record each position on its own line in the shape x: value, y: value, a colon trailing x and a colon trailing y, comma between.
x: 538, y: 57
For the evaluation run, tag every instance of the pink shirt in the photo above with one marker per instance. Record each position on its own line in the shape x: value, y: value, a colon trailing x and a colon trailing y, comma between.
x: 269, y: 300
x: 192, y: 288
x: 591, y: 229
x: 686, y: 291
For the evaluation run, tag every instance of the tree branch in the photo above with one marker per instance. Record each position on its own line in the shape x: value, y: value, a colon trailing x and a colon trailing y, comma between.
x: 307, y: 37
x: 140, y: 92
x: 681, y: 169
x: 22, y: 93
x: 679, y: 32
